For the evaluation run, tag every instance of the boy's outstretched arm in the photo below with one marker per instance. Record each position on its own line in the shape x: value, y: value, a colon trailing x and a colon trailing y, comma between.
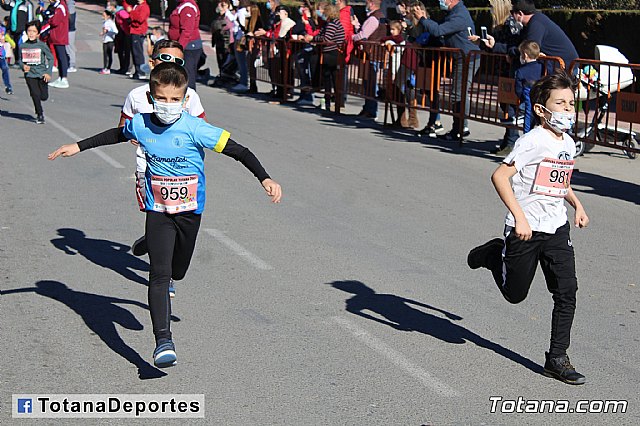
x: 581, y: 220
x: 108, y: 137
x: 501, y: 182
x: 251, y: 162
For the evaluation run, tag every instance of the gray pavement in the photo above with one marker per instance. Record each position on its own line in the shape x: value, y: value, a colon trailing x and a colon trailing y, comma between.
x: 349, y: 303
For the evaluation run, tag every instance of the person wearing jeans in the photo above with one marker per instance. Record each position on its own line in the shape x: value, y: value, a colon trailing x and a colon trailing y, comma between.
x: 59, y: 39
x: 139, y: 15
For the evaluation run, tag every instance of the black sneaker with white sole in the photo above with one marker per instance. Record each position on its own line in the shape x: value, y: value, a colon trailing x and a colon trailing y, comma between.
x: 479, y: 256
x: 560, y: 368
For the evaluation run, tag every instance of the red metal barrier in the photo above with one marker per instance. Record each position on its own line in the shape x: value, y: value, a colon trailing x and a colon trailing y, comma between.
x: 608, y: 105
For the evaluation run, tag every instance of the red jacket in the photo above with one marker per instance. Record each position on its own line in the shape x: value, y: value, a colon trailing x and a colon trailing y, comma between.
x: 59, y: 24
x: 184, y: 22
x: 345, y: 20
x: 139, y: 15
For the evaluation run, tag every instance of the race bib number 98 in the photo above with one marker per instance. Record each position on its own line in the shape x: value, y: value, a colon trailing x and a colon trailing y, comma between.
x: 174, y: 194
x: 553, y: 177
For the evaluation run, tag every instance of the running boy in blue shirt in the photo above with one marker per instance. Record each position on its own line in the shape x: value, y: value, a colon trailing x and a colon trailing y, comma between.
x: 174, y: 143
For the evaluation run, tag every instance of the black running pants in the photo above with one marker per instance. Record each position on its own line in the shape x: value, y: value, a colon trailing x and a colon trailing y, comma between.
x: 171, y: 240
x: 555, y: 254
x: 39, y: 91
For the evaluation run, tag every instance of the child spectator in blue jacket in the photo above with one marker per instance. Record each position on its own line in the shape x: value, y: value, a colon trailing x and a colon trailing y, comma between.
x: 529, y: 72
x: 3, y: 63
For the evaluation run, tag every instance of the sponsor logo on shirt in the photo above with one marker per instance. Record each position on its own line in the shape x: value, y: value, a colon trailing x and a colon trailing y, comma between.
x: 564, y: 155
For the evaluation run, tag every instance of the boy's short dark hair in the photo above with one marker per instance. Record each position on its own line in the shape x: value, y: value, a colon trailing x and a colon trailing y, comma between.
x: 165, y: 44
x: 531, y: 48
x: 109, y: 13
x: 168, y: 74
x: 35, y: 23
x: 541, y: 90
x: 527, y: 7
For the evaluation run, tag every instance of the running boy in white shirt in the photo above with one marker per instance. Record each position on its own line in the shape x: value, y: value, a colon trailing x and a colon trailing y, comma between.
x: 136, y: 102
x: 174, y: 143
x: 533, y: 182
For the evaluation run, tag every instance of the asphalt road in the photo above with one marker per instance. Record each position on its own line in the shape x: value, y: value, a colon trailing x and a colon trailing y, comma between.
x: 349, y: 303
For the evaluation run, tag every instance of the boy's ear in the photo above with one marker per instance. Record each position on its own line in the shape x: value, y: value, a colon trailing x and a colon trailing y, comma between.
x: 186, y: 99
x: 537, y: 108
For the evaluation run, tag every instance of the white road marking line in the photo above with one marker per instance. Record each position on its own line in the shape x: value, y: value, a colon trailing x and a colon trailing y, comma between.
x: 422, y: 375
x: 238, y: 249
x: 75, y: 137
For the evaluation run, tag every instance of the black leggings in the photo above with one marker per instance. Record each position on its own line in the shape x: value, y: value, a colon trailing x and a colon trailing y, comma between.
x: 39, y: 91
x: 107, y: 55
x: 171, y: 240
x: 515, y: 271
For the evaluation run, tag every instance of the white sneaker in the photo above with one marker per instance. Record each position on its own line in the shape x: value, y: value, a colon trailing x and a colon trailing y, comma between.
x: 62, y: 83
x: 55, y: 83
x: 72, y: 69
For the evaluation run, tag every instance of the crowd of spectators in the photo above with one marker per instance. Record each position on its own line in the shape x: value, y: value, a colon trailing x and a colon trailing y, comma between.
x: 317, y: 36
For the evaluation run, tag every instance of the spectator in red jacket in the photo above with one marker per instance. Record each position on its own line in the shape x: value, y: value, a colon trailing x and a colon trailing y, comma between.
x: 59, y: 38
x: 183, y: 27
x: 139, y: 15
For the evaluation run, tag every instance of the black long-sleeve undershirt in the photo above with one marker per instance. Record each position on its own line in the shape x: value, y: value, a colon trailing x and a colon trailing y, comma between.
x: 232, y: 149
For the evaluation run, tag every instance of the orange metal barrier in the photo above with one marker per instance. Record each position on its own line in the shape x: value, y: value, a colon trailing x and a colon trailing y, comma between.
x: 608, y: 105
x: 433, y: 79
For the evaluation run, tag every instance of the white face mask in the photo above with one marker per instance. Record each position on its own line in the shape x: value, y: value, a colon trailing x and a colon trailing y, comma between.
x: 167, y: 112
x: 561, y: 122
x: 443, y: 5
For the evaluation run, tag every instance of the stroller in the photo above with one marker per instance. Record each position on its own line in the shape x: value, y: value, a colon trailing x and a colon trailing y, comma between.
x: 596, y: 86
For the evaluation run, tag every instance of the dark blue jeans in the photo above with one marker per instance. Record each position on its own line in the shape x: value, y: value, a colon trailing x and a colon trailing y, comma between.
x: 5, y: 73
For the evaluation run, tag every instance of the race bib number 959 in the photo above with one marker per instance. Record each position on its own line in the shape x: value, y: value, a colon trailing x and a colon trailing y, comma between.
x: 553, y: 177
x: 175, y: 194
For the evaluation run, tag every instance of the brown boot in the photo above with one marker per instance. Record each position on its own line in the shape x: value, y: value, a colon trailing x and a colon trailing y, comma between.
x: 402, y: 113
x: 413, y: 119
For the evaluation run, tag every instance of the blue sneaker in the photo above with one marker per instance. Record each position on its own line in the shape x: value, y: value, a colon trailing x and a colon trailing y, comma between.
x: 172, y: 288
x: 165, y: 354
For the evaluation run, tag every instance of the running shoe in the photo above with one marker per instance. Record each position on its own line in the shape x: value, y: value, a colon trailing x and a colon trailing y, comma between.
x: 40, y: 119
x: 139, y: 247
x: 453, y: 135
x: 72, y: 69
x: 560, y: 368
x: 479, y: 256
x: 172, y: 288
x: 165, y: 354
x: 9, y: 91
x: 105, y: 71
x: 240, y: 88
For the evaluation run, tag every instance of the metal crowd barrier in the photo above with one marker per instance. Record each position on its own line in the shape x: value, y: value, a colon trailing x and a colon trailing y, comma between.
x: 608, y: 105
x: 432, y: 79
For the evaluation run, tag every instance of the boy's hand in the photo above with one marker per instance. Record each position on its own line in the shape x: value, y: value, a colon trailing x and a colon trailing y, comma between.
x: 581, y: 220
x: 46, y: 78
x: 523, y: 230
x: 65, y: 151
x: 475, y: 39
x: 26, y: 68
x: 273, y: 189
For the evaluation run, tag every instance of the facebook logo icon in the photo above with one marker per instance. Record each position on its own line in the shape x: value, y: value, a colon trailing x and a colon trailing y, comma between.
x: 24, y: 405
